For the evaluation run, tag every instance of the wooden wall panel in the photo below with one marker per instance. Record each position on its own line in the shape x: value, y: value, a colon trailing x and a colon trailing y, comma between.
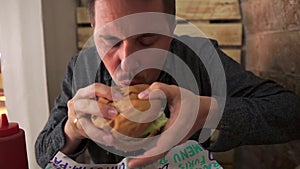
x: 208, y: 9
x: 82, y: 15
x: 235, y: 54
x: 83, y: 34
x: 226, y: 34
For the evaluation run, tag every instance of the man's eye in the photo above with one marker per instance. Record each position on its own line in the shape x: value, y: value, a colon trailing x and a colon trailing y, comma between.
x: 112, y: 43
x: 117, y: 44
x: 148, y: 41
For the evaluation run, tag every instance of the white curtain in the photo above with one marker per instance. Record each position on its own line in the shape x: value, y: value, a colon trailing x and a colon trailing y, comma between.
x: 23, y: 67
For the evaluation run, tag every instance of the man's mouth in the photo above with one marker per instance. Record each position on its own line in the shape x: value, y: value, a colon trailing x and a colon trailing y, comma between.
x: 129, y: 82
x: 129, y: 79
x: 125, y: 83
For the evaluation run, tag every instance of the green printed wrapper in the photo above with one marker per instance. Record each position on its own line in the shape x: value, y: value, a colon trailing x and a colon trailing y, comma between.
x: 189, y: 155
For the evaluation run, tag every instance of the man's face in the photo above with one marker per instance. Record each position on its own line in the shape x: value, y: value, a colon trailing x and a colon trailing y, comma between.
x: 131, y: 48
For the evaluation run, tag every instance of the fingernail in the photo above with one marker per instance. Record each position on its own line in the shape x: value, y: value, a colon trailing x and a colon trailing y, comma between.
x: 112, y: 112
x: 130, y: 164
x: 108, y: 140
x: 117, y: 96
x: 144, y: 94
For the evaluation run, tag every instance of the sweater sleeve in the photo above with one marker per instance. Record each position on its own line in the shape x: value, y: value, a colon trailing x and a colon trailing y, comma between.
x: 52, y: 138
x: 257, y: 111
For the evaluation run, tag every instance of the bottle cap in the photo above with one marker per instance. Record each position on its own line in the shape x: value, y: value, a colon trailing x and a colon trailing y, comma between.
x: 6, y: 128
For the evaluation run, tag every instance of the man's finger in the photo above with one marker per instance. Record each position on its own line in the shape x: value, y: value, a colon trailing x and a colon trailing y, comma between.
x: 160, y: 91
x: 95, y: 133
x: 163, y: 145
x: 95, y: 108
x: 91, y: 91
x: 143, y: 161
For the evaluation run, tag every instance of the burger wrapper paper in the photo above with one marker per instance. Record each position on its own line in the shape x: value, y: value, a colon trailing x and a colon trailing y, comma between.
x: 189, y: 155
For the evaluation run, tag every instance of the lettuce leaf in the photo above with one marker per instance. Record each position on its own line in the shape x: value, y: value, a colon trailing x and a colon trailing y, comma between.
x: 156, y: 125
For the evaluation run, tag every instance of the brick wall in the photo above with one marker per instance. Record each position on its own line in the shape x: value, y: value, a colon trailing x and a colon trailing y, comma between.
x: 272, y: 31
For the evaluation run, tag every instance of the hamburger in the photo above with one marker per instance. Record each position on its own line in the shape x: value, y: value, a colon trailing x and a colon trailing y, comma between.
x: 136, y: 119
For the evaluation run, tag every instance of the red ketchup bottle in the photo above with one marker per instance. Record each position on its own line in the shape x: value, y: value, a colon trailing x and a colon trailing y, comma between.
x: 12, y: 145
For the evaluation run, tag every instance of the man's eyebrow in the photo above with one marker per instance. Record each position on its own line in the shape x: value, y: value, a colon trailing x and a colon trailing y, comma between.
x: 112, y: 37
x: 149, y: 34
x: 109, y: 37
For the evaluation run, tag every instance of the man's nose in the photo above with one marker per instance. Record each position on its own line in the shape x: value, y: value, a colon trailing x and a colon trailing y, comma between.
x: 128, y: 64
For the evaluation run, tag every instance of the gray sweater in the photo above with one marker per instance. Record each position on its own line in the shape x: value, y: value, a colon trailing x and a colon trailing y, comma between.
x: 255, y: 110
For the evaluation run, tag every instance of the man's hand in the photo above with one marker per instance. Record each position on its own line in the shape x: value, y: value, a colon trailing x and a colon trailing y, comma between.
x: 188, y: 113
x: 80, y: 107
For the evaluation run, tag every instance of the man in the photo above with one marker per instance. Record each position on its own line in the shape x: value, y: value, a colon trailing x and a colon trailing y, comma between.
x: 257, y: 111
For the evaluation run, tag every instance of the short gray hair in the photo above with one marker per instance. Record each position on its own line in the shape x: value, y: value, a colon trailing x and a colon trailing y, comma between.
x: 169, y: 8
